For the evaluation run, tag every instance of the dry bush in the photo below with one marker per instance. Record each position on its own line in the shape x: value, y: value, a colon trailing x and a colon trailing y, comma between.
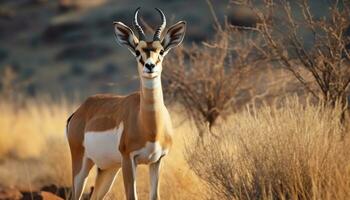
x: 324, y: 56
x: 205, y: 78
x: 293, y: 152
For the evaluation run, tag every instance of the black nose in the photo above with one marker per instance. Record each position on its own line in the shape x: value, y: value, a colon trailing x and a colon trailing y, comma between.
x: 149, y: 67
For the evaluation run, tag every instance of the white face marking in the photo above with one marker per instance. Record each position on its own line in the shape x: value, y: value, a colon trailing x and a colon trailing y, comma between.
x: 151, y: 83
x: 103, y: 147
x: 156, y: 68
x: 150, y: 153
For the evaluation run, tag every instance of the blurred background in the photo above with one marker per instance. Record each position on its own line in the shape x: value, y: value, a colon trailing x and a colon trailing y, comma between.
x: 56, y: 47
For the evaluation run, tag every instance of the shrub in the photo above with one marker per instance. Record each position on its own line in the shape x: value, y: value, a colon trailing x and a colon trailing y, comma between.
x: 205, y: 78
x: 325, y: 57
x: 293, y: 152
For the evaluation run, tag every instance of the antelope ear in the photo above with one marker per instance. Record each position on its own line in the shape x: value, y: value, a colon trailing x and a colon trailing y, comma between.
x: 174, y: 36
x: 125, y: 36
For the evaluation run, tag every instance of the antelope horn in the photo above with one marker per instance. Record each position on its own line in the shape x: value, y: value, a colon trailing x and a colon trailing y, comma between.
x: 159, y: 30
x: 137, y: 26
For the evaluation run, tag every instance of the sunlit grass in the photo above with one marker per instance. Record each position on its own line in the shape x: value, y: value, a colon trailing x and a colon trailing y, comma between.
x: 290, y: 151
x: 35, y: 153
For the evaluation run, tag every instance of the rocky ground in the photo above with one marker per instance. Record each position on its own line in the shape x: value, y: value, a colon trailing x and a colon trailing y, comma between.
x: 46, y: 193
x: 51, y: 192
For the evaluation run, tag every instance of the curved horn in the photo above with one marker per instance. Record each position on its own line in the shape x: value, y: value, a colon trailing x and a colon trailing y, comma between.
x: 137, y: 26
x: 159, y: 30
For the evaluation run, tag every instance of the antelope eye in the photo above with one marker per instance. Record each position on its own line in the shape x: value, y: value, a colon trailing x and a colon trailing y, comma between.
x: 161, y: 52
x: 137, y: 52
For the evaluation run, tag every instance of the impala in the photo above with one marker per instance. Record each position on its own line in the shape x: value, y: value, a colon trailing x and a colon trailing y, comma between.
x: 114, y: 132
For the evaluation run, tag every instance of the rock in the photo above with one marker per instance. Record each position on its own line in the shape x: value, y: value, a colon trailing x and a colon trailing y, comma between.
x: 62, y: 192
x: 40, y: 196
x: 10, y: 194
x: 51, y: 192
x: 31, y: 196
x: 49, y: 196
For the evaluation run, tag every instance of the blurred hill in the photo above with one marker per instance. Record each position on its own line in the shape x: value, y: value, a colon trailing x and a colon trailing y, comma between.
x: 68, y: 47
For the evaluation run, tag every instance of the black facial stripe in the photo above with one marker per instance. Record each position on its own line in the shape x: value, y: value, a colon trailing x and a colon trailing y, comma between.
x: 149, y: 49
x: 137, y: 52
x: 148, y: 53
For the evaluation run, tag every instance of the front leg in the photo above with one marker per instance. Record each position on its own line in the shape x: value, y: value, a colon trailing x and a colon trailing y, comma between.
x: 154, y: 170
x: 129, y: 176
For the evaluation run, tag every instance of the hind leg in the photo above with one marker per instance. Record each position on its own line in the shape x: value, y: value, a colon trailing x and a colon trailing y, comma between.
x: 104, y: 182
x: 79, y: 179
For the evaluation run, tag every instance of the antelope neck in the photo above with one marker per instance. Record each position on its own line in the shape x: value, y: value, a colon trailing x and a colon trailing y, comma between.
x: 152, y: 104
x: 151, y: 94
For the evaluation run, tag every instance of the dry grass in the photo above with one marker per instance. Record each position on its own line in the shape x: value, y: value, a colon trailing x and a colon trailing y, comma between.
x: 26, y: 129
x: 293, y: 152
x: 31, y: 142
x: 34, y: 153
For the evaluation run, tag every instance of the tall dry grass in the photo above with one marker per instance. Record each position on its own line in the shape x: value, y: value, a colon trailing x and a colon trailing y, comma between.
x: 289, y: 151
x: 34, y: 153
x: 33, y: 150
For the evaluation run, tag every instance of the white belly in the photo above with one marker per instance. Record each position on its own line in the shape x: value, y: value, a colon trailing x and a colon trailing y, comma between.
x: 103, y: 147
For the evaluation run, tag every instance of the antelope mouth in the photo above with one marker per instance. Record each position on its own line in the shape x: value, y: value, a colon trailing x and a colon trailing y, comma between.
x: 149, y: 75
